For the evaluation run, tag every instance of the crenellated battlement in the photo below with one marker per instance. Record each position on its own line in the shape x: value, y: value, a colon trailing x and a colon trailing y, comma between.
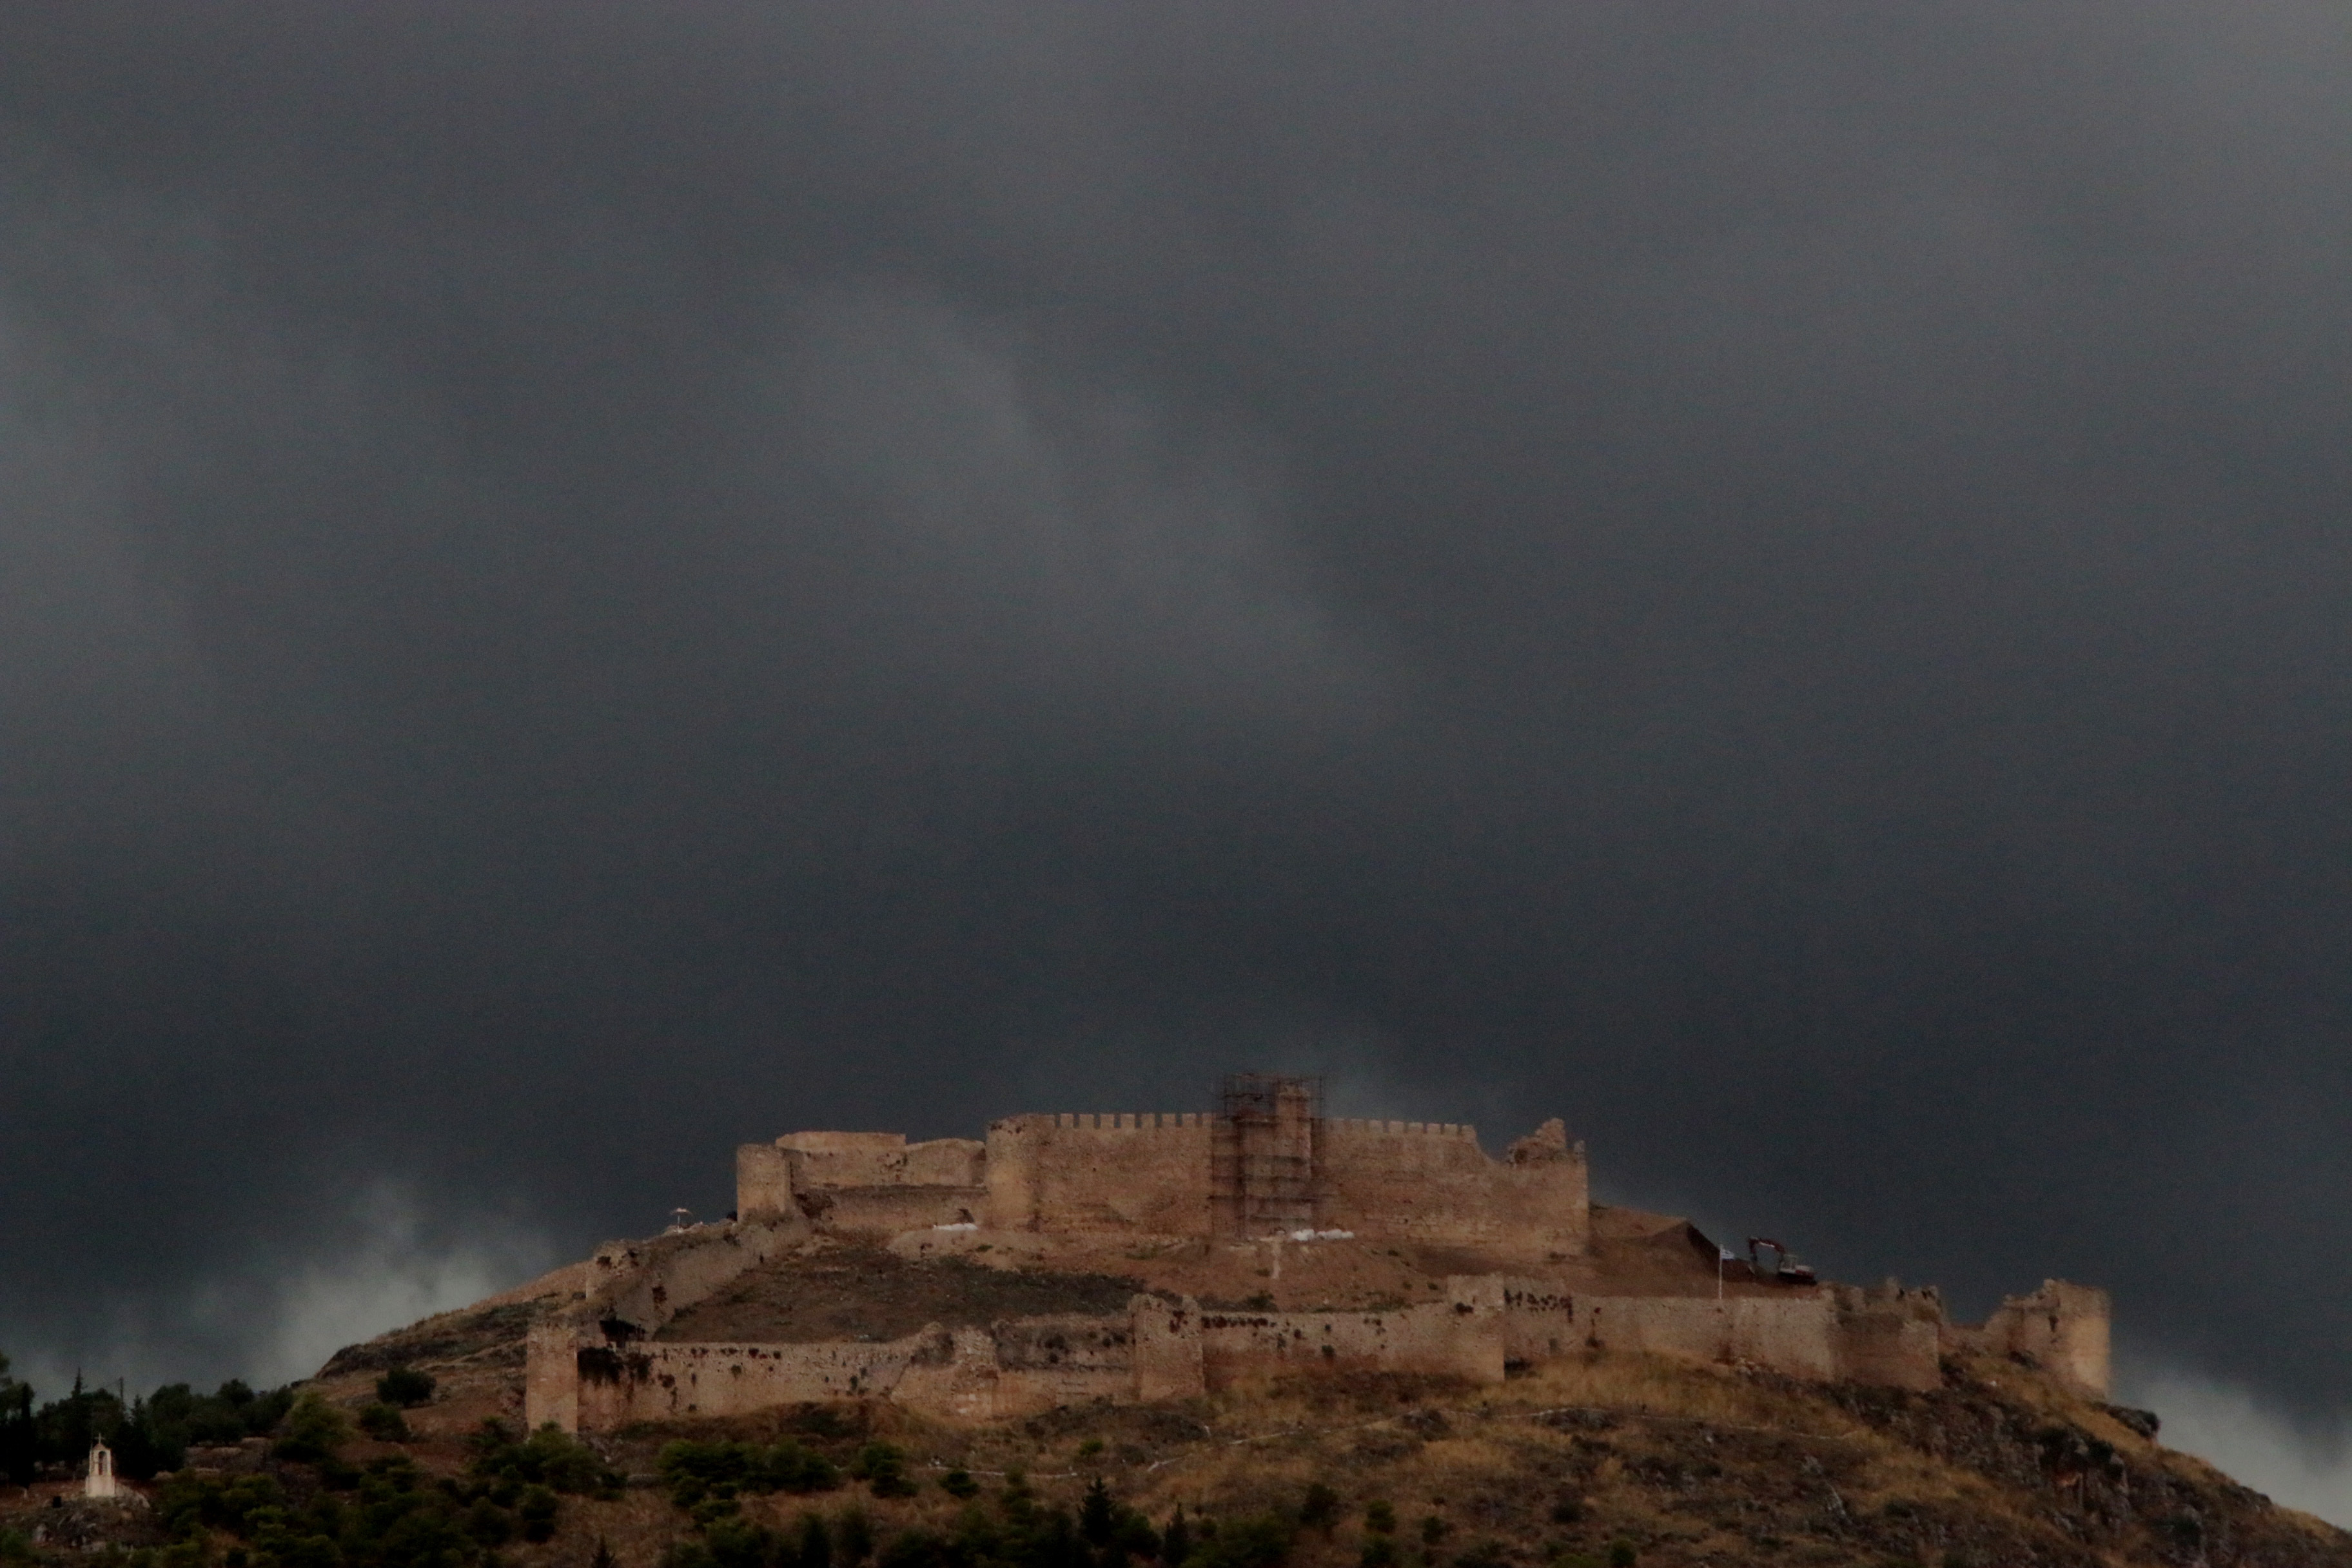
x: 1417, y: 1128
x: 1265, y: 1164
x: 1124, y: 1121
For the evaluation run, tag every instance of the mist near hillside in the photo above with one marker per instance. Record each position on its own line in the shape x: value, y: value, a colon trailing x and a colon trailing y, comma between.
x: 580, y: 584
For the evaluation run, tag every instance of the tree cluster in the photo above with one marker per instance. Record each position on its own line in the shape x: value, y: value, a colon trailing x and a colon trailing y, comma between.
x: 149, y: 1436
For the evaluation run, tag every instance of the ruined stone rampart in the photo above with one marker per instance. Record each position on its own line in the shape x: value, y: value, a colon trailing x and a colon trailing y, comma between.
x: 2062, y: 1328
x: 1794, y: 1335
x: 649, y: 1382
x: 1131, y: 1172
x: 1430, y: 1183
x: 1265, y: 1169
x: 1188, y: 1175
x: 1464, y: 1339
x: 592, y: 1375
x: 582, y: 1379
x: 1818, y: 1334
x: 891, y: 1211
x: 1538, y: 1320
x: 881, y: 1160
x: 643, y: 1284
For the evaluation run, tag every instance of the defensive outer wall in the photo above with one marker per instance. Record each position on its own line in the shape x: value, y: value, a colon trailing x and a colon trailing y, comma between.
x: 1273, y: 1170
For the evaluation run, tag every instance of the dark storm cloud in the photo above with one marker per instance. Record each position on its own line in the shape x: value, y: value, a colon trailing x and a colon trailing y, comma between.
x: 582, y: 583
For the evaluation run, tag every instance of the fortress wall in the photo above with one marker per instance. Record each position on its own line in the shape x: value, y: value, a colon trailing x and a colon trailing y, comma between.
x: 843, y: 1159
x: 1889, y: 1350
x: 647, y: 1283
x: 1454, y: 1340
x: 1430, y: 1183
x: 881, y: 1160
x: 642, y: 1382
x: 889, y: 1211
x: 763, y: 1182
x: 1796, y: 1335
x: 551, y: 1377
x: 1121, y: 1173
x: 1065, y: 1360
x: 1538, y: 1319
x: 1029, y: 1365
x: 965, y: 1386
x: 2062, y: 1327
x: 1168, y: 1357
x: 948, y: 1163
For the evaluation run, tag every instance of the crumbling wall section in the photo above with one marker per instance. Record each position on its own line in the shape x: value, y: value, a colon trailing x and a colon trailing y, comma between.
x: 1889, y: 1350
x: 1430, y: 1183
x: 641, y: 1381
x: 891, y: 1211
x: 643, y: 1284
x: 1538, y: 1320
x: 763, y: 1183
x: 881, y: 1160
x: 1130, y: 1173
x: 2062, y: 1328
x: 1796, y: 1335
x: 582, y: 1380
x: 1168, y: 1357
x: 1464, y: 1337
x: 551, y: 1377
x: 1044, y: 1362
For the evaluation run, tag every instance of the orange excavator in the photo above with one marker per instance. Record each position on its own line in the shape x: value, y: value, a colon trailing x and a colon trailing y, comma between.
x: 1787, y: 1268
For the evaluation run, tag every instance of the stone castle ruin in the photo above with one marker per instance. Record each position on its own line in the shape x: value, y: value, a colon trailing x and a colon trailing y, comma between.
x: 1260, y: 1239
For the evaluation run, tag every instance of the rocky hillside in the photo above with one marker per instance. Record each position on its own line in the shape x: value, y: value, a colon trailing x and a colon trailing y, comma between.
x: 1601, y: 1460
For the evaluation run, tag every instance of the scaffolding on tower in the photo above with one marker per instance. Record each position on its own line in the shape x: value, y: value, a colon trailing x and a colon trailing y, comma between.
x: 1262, y: 1153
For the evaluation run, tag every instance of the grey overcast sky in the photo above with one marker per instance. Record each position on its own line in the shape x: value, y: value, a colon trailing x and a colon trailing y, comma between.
x: 580, y: 583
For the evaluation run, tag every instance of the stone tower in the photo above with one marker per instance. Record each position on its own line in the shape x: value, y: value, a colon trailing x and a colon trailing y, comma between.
x: 1263, y: 1171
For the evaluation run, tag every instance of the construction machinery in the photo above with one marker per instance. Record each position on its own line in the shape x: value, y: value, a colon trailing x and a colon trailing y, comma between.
x: 1788, y: 1268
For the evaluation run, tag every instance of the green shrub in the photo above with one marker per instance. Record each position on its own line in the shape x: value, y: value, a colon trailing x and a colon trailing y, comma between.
x: 1621, y: 1553
x: 853, y: 1537
x: 959, y: 1485
x: 314, y: 1430
x: 536, y: 1512
x: 1262, y: 1541
x: 740, y: 1543
x: 883, y: 1468
x: 190, y: 1503
x: 815, y: 1545
x: 548, y: 1457
x: 488, y: 1524
x: 1379, y: 1551
x: 692, y: 1472
x: 405, y: 1386
x: 1379, y: 1517
x: 384, y: 1424
x: 1176, y: 1541
x: 915, y: 1549
x: 1320, y: 1508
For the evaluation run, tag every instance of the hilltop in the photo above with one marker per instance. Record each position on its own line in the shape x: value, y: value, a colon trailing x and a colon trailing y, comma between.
x: 1563, y: 1464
